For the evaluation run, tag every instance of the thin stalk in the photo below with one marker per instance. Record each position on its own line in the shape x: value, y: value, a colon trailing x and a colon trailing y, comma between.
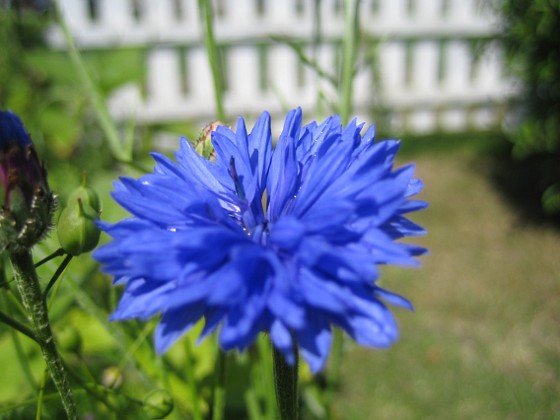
x: 310, y: 62
x: 334, y: 370
x: 122, y: 152
x: 286, y: 385
x: 191, y: 381
x: 316, y: 42
x: 57, y: 274
x: 6, y: 408
x: 36, y: 308
x: 55, y: 254
x: 219, y: 394
x: 267, y: 376
x: 4, y: 283
x: 115, y: 330
x: 252, y: 404
x: 207, y: 19
x: 350, y: 42
x: 23, y: 360
x: 13, y: 300
x: 6, y: 319
x: 97, y: 391
x: 41, y: 396
x: 131, y: 351
x: 21, y: 355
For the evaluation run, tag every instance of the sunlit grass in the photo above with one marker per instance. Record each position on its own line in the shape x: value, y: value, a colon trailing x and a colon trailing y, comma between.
x: 484, y: 341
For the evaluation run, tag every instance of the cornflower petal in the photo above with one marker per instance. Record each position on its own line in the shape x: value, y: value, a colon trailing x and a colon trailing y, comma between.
x: 282, y: 240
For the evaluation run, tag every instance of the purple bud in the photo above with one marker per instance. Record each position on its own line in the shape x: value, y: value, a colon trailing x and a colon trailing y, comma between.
x: 26, y: 201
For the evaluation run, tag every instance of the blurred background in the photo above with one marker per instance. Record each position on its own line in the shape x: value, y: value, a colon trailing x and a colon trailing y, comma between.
x: 471, y: 87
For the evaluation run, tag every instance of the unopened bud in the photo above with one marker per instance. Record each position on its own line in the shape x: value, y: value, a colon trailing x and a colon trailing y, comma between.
x: 112, y: 377
x: 87, y: 195
x: 77, y: 231
x: 27, y: 203
x: 203, y: 145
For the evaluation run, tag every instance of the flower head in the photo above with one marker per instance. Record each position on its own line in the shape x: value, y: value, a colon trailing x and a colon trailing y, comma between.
x: 25, y: 198
x: 283, y: 240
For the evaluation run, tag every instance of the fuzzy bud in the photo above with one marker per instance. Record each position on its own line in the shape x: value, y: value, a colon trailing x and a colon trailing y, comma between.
x: 26, y: 202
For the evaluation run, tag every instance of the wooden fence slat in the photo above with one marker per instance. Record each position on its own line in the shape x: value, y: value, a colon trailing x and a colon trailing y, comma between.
x: 425, y: 67
x: 429, y: 75
x: 164, y: 79
x: 392, y: 62
x: 458, y: 67
x: 282, y: 71
x: 243, y: 76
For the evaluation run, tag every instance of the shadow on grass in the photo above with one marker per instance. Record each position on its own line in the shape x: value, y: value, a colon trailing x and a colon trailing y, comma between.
x: 518, y: 181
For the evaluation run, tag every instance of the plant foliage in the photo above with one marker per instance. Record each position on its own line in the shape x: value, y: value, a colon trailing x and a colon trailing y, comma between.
x: 532, y: 42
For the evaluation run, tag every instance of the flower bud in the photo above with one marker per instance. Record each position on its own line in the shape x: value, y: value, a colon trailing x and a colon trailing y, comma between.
x: 77, y: 231
x: 203, y: 145
x: 158, y: 404
x: 26, y: 201
x: 87, y: 195
x: 112, y: 377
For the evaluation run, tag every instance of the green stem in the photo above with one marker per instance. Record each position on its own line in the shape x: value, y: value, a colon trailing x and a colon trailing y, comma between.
x: 286, y: 385
x: 334, y: 370
x: 57, y: 274
x: 6, y: 319
x: 122, y: 152
x: 4, y: 408
x: 349, y: 57
x: 207, y: 17
x: 219, y: 400
x: 191, y: 381
x: 21, y: 354
x: 252, y: 404
x: 97, y: 391
x: 36, y: 308
x: 41, y: 396
x: 267, y: 376
x: 23, y: 360
x: 55, y: 254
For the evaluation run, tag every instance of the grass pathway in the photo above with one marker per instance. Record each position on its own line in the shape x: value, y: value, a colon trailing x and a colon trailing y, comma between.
x: 484, y: 341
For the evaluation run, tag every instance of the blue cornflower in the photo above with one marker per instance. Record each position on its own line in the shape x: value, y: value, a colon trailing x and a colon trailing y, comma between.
x: 283, y: 240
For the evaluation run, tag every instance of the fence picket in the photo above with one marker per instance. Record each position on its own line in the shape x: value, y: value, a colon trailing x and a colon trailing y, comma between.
x: 457, y: 68
x: 164, y: 79
x: 425, y: 67
x: 429, y: 76
x: 243, y: 76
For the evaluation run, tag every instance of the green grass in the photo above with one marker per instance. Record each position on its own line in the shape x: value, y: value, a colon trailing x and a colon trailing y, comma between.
x: 484, y: 341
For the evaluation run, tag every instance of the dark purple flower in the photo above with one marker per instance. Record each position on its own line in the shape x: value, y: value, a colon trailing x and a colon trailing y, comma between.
x: 26, y: 201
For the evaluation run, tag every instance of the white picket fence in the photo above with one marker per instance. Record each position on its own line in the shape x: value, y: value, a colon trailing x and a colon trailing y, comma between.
x: 419, y: 62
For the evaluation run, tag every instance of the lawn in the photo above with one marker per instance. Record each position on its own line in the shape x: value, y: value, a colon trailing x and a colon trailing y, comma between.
x: 484, y: 341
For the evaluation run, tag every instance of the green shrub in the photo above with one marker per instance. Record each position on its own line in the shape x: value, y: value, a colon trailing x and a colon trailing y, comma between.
x: 532, y: 39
